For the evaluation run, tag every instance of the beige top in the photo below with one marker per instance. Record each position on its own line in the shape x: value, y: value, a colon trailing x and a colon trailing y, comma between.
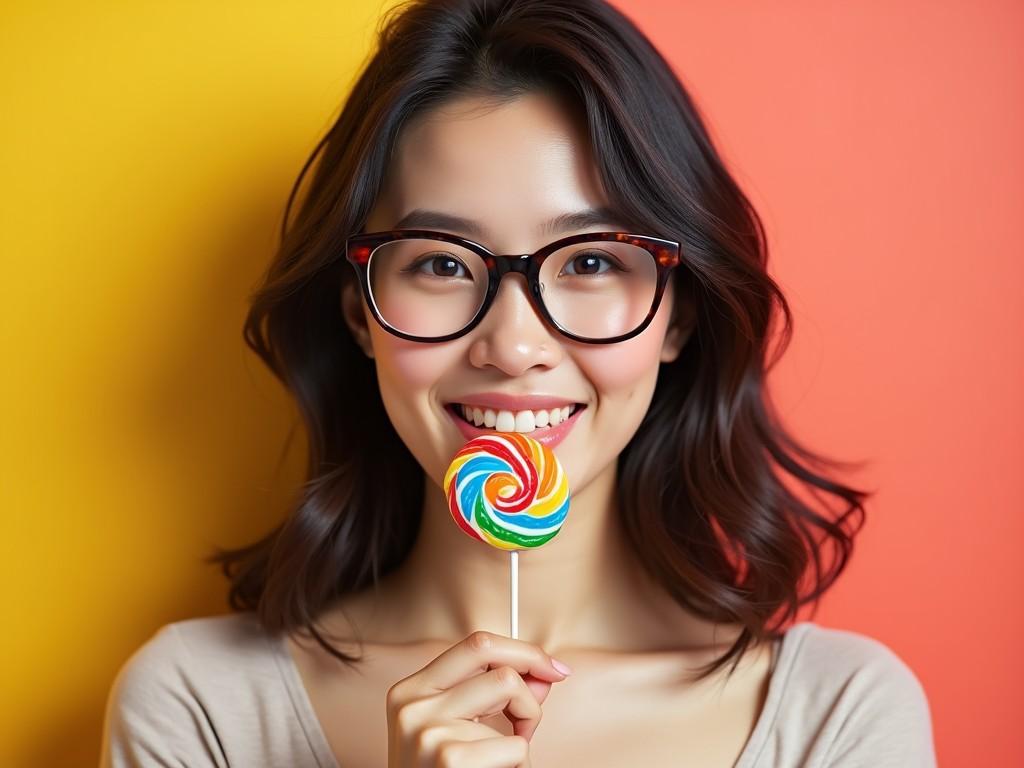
x: 218, y: 691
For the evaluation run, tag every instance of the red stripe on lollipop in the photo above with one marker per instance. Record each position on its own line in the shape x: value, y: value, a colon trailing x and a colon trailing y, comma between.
x: 453, y: 505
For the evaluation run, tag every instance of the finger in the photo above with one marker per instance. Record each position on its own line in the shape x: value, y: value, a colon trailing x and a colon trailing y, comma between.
x: 500, y: 690
x: 500, y: 752
x: 539, y: 688
x: 431, y: 737
x: 481, y: 651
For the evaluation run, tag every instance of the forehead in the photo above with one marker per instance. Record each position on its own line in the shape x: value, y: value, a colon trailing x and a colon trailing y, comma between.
x: 509, y: 167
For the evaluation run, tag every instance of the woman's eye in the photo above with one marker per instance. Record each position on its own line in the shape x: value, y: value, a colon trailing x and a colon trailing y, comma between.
x: 441, y: 266
x: 588, y: 263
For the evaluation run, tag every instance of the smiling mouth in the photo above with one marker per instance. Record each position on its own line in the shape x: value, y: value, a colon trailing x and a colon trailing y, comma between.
x: 523, y: 422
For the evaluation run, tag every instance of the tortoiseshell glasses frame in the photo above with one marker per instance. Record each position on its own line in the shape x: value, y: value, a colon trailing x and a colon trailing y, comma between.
x: 665, y: 253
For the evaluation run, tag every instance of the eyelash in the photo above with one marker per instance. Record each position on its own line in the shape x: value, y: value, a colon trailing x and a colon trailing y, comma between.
x: 415, y: 266
x: 603, y: 257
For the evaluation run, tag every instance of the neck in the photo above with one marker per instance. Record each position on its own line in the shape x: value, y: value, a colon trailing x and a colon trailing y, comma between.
x: 584, y: 588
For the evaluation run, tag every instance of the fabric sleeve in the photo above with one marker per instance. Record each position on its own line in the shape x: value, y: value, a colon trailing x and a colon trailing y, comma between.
x: 153, y: 717
x: 888, y: 722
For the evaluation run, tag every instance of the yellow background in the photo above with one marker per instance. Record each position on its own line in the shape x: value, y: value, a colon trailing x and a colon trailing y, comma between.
x: 147, y: 151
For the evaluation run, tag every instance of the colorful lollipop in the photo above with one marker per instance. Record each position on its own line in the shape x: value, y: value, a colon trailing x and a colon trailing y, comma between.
x: 508, y: 490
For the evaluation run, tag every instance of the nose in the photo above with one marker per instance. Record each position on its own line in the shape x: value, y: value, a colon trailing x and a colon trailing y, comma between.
x: 513, y: 336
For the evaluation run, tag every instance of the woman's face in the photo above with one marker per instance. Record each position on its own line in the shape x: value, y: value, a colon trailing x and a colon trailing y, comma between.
x: 509, y: 169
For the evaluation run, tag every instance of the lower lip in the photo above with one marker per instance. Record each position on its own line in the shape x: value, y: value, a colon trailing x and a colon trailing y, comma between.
x: 549, y: 436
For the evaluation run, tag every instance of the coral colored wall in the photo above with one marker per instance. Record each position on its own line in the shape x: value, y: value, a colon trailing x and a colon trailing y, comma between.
x: 147, y: 152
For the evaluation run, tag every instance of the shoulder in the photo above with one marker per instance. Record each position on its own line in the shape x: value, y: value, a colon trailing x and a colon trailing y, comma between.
x: 841, y: 656
x: 193, y: 650
x: 858, y: 700
x: 211, y: 639
x: 187, y: 688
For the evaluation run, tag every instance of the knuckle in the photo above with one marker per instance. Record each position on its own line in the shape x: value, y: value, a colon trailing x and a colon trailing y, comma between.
x: 408, y: 716
x: 533, y: 709
x: 506, y: 676
x: 538, y: 712
x: 451, y: 754
x: 394, y: 697
x: 479, y: 640
x: 428, y: 737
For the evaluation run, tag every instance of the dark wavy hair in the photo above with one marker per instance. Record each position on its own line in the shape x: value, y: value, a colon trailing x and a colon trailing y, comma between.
x: 700, y: 486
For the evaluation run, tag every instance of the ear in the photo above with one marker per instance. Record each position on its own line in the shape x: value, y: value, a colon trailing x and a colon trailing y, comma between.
x: 355, y: 317
x: 680, y: 329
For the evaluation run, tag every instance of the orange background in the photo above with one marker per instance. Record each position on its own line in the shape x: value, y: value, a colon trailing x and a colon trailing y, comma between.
x: 147, y: 152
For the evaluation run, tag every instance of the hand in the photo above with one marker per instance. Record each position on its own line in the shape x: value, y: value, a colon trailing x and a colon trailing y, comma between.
x: 432, y: 714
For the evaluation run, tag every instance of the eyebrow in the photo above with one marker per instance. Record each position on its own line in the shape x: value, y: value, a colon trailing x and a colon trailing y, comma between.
x: 421, y: 218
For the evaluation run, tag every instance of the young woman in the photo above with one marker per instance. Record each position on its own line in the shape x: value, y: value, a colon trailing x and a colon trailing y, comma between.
x: 658, y: 628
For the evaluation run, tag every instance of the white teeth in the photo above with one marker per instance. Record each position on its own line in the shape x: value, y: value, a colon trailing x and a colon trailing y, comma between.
x: 525, y: 421
x: 505, y: 422
x: 515, y: 421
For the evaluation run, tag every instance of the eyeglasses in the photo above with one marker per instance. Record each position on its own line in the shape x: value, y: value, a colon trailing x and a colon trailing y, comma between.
x: 598, y: 287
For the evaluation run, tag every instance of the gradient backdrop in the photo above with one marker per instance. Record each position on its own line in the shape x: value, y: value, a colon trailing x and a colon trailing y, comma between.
x: 147, y: 150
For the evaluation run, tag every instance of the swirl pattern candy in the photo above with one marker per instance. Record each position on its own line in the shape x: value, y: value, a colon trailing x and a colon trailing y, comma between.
x: 507, y: 490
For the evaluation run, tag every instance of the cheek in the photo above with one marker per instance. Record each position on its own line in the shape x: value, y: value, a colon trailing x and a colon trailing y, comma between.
x: 624, y: 370
x: 618, y: 370
x: 409, y: 366
x: 408, y: 372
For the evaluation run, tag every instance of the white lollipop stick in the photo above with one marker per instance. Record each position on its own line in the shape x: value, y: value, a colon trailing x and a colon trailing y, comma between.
x: 514, y: 613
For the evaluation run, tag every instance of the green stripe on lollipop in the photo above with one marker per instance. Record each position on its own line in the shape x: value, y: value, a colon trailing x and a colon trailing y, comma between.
x: 503, y: 534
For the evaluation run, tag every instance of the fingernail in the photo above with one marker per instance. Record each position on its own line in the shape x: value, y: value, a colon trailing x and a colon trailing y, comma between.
x: 562, y: 667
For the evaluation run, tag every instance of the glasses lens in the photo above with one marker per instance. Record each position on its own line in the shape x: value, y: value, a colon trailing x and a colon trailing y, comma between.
x: 599, y: 289
x: 426, y: 287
